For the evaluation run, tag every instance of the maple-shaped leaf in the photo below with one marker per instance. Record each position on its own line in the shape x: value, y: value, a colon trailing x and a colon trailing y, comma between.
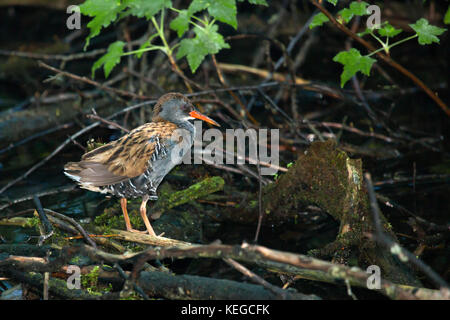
x: 103, y: 12
x: 353, y: 62
x: 427, y: 33
x: 389, y: 31
x: 222, y: 10
x: 147, y: 8
x: 181, y: 23
x: 318, y: 20
x: 355, y: 9
x: 207, y: 41
x: 110, y: 59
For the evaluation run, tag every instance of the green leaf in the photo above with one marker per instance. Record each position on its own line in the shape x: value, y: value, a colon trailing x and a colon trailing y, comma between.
x: 259, y: 2
x: 359, y: 8
x: 194, y: 52
x: 427, y: 33
x: 447, y: 16
x: 333, y: 2
x: 353, y: 62
x: 103, y: 12
x: 181, y: 23
x: 355, y: 9
x: 211, y: 39
x: 147, y: 8
x: 197, y: 5
x: 207, y: 41
x: 318, y: 20
x: 224, y: 11
x: 110, y: 59
x: 346, y: 14
x: 389, y: 31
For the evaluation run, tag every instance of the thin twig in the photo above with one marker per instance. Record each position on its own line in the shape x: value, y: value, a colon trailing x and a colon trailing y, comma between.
x: 47, y: 227
x: 136, y: 288
x: 75, y: 224
x: 94, y: 83
x: 394, y: 247
x: 257, y: 279
x: 260, y: 208
x: 111, y: 123
x: 65, y: 188
x: 37, y: 135
x: 62, y: 57
x: 235, y: 97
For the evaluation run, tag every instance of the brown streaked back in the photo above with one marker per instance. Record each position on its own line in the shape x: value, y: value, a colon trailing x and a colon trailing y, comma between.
x: 125, y: 158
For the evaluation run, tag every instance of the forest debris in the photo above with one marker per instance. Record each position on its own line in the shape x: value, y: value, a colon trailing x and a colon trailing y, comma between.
x: 285, y: 262
x: 188, y: 287
x: 148, y: 239
x: 326, y: 177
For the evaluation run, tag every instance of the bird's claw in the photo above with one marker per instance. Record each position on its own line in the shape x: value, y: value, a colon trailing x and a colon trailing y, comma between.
x: 137, y: 231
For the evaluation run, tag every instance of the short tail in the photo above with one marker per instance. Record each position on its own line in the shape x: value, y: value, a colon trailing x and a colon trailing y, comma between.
x: 73, y: 170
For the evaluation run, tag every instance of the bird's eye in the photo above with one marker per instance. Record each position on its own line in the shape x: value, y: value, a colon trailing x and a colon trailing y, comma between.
x: 186, y: 107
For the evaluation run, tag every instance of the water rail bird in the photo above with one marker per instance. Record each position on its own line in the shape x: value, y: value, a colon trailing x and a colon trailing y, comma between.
x: 134, y: 165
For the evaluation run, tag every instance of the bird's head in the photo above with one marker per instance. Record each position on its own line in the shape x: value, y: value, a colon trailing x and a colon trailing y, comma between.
x: 176, y: 108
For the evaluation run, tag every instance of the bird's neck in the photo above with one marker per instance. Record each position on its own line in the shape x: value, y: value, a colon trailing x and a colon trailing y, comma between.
x: 181, y: 124
x: 187, y: 126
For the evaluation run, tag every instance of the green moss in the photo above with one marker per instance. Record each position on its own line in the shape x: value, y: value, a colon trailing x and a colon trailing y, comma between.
x: 89, y: 282
x: 112, y: 217
x: 75, y: 260
x: 321, y: 176
x: 33, y: 223
x: 253, y: 203
x: 132, y: 296
x: 198, y: 190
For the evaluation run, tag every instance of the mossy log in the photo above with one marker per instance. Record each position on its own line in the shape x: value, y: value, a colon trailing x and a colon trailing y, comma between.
x: 326, y: 177
x: 189, y: 287
x: 198, y: 190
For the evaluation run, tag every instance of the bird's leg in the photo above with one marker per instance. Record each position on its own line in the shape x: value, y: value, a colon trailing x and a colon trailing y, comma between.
x: 123, y: 204
x: 144, y: 216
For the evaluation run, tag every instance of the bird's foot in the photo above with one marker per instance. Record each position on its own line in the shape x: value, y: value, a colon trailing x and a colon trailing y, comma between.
x: 137, y: 231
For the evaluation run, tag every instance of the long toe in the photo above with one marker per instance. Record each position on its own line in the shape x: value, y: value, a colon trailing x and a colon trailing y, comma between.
x: 137, y: 231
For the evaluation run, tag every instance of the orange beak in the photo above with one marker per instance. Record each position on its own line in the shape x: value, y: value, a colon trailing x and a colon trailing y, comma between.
x: 198, y: 115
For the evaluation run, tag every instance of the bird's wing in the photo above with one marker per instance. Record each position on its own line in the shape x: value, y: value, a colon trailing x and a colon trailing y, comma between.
x: 125, y: 158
